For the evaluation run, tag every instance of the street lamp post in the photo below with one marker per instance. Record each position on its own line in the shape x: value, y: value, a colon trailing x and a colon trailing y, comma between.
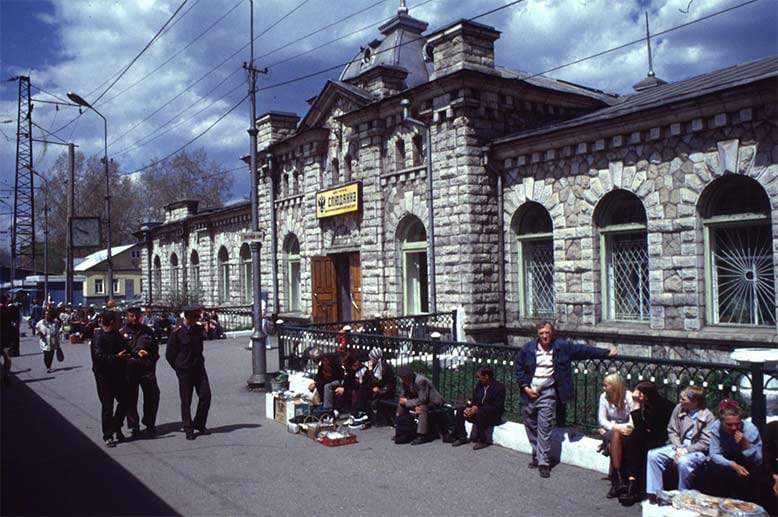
x: 258, y: 377
x: 109, y: 260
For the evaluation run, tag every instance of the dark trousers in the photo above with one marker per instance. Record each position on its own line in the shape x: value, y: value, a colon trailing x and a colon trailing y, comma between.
x: 485, y: 417
x: 110, y: 388
x: 48, y: 358
x: 188, y: 380
x: 146, y: 380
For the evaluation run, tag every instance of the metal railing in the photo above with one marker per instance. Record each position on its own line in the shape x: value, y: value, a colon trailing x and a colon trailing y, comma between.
x: 419, y: 326
x: 231, y: 318
x: 452, y: 365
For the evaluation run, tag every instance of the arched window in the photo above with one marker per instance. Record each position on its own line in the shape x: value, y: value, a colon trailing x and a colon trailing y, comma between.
x: 223, y: 268
x: 194, y: 274
x: 399, y: 154
x: 739, y: 271
x: 533, y: 228
x: 335, y: 170
x: 621, y: 220
x: 293, y: 278
x: 413, y: 245
x: 157, y: 277
x: 246, y: 290
x: 418, y: 150
x: 347, y: 168
x: 174, y: 275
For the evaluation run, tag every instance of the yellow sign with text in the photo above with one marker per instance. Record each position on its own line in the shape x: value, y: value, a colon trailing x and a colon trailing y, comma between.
x: 341, y: 200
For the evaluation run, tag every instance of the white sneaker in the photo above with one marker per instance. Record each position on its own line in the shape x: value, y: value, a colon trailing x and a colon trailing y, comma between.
x: 361, y: 418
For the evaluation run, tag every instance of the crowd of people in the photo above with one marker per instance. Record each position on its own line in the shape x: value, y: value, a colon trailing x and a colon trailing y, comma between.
x: 651, y: 443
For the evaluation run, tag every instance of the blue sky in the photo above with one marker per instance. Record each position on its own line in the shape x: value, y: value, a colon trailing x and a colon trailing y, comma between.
x: 80, y: 45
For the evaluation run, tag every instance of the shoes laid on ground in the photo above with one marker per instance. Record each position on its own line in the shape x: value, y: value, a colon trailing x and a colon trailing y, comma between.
x: 190, y: 435
x: 203, y: 430
x: 360, y: 426
x: 459, y: 441
x: 423, y: 438
x: 532, y: 464
x: 361, y: 418
x: 544, y: 471
x: 110, y: 442
x: 477, y: 446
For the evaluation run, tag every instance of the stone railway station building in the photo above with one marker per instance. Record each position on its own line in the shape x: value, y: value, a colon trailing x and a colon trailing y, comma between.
x: 644, y: 219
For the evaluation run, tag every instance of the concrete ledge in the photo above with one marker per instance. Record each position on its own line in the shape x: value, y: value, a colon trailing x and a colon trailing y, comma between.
x: 568, y: 446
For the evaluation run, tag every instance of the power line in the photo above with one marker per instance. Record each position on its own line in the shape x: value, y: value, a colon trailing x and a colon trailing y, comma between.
x: 143, y: 50
x: 149, y: 138
x: 190, y: 142
x: 177, y: 53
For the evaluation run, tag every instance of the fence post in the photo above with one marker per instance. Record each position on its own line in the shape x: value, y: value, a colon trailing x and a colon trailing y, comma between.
x: 435, y: 359
x: 758, y: 399
x: 280, y: 340
x: 454, y: 336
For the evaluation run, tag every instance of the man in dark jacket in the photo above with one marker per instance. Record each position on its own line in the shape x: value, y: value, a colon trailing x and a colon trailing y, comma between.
x: 329, y: 376
x: 418, y: 395
x: 141, y: 372
x: 185, y: 355
x: 484, y: 410
x: 109, y: 358
x: 544, y: 373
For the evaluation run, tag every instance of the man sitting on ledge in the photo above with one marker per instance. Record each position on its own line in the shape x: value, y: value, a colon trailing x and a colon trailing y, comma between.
x: 417, y: 394
x: 484, y: 410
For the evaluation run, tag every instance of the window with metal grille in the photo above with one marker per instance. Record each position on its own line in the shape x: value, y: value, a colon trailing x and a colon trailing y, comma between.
x: 621, y: 220
x: 293, y: 278
x: 534, y: 229
x: 246, y: 289
x: 739, y: 270
x: 627, y: 273
x: 224, y: 275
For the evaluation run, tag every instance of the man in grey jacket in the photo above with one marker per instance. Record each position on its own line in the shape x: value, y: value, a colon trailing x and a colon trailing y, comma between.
x: 417, y: 394
x: 689, y: 437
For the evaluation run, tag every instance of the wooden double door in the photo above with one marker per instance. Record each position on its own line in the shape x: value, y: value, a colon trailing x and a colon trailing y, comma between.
x: 337, y: 291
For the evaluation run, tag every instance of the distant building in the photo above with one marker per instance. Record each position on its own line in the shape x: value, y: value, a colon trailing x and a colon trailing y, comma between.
x: 126, y: 274
x: 197, y: 256
x: 645, y: 219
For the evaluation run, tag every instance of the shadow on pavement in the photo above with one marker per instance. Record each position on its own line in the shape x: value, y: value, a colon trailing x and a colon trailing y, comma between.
x: 49, y: 467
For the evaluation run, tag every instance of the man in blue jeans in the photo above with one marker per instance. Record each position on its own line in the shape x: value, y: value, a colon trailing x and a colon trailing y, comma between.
x: 688, y: 432
x: 545, y: 375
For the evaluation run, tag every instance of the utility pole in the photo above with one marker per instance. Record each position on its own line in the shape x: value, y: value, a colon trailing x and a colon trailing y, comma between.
x: 258, y: 377
x: 70, y: 208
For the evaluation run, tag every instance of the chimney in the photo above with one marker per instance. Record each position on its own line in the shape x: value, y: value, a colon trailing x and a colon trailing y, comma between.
x: 462, y: 45
x: 275, y: 126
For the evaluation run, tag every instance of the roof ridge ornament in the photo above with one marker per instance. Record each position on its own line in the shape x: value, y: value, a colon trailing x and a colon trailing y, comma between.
x: 403, y: 8
x: 651, y: 80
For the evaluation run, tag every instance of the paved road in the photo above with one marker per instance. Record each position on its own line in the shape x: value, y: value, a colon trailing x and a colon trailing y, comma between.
x: 54, y: 461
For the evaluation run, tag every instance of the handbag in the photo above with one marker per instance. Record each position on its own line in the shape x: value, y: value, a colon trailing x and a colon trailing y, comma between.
x: 60, y: 355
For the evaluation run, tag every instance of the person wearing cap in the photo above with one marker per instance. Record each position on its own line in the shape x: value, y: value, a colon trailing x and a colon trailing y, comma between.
x: 689, y: 435
x: 419, y: 396
x: 383, y: 384
x: 735, y: 455
x: 109, y: 361
x: 329, y: 376
x: 185, y: 355
x: 545, y: 375
x: 141, y: 372
x: 483, y: 410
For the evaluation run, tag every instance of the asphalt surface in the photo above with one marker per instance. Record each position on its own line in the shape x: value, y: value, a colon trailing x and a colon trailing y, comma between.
x: 55, y: 463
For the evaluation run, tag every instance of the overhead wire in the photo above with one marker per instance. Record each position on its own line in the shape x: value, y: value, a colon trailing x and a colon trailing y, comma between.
x: 143, y: 50
x: 177, y: 53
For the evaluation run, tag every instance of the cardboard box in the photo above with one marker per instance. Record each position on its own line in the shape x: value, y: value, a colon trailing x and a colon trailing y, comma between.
x: 286, y: 409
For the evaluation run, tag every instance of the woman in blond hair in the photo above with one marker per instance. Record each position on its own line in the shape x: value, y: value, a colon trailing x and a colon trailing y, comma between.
x: 615, y: 422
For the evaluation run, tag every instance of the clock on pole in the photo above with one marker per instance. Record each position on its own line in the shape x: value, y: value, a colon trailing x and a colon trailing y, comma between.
x: 85, y: 232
